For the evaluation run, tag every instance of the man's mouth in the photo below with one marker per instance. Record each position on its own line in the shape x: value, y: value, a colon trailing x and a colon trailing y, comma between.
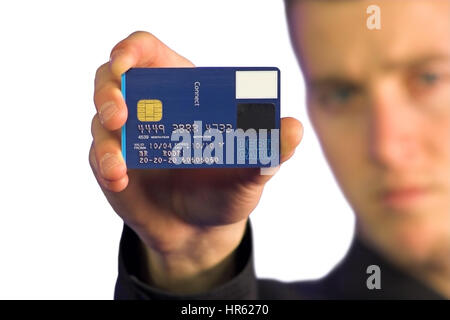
x: 404, y: 197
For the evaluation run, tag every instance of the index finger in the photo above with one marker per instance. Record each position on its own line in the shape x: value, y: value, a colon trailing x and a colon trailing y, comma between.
x: 140, y: 49
x: 143, y: 49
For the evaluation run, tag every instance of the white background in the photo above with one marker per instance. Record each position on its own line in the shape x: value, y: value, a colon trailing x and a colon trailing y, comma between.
x: 58, y: 235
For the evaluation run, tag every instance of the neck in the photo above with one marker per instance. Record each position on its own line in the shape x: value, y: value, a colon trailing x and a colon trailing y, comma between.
x: 433, y: 271
x: 436, y: 273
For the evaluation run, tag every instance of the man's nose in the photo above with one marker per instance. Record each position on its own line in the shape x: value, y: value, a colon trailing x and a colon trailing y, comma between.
x: 393, y: 128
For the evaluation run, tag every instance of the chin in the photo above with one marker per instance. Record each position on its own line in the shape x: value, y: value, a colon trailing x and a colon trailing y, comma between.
x: 414, y: 243
x: 410, y: 237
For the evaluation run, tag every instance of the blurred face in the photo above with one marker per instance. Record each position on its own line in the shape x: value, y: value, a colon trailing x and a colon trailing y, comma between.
x: 379, y: 101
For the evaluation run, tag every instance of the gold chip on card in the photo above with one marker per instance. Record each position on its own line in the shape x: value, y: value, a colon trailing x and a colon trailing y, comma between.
x: 149, y: 110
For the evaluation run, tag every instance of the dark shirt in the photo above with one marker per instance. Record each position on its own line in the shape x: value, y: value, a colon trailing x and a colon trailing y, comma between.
x: 348, y: 280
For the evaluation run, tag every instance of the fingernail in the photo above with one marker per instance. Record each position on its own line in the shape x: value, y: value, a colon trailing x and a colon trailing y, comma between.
x: 106, y: 111
x: 108, y: 162
x: 269, y: 171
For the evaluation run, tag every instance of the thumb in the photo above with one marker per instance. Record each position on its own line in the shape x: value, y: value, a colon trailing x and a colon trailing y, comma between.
x: 290, y: 137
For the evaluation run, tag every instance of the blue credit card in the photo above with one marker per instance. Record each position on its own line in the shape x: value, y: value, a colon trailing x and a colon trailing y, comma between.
x: 201, y: 117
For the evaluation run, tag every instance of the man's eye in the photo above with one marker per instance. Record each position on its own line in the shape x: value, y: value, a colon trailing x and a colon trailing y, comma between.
x: 429, y: 78
x: 337, y: 96
x: 343, y: 94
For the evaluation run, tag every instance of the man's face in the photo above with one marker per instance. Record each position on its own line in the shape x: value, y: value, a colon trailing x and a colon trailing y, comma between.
x: 379, y: 101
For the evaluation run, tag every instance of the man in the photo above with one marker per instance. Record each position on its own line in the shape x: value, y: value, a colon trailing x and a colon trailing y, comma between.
x: 379, y: 101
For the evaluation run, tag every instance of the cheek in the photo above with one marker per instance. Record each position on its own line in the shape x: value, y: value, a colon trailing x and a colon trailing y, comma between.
x: 442, y: 140
x: 438, y: 152
x: 437, y: 125
x: 344, y: 148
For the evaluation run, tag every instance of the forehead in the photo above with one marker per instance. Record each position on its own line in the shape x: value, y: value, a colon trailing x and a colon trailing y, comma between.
x: 331, y: 36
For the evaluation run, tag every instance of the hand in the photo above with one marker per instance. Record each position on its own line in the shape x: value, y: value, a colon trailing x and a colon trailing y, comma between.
x: 194, y: 217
